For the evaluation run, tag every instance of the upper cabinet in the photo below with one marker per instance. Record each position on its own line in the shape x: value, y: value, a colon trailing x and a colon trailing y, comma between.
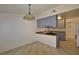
x: 47, y: 22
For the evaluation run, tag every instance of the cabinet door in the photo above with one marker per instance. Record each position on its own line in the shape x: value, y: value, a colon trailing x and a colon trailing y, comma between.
x: 47, y: 21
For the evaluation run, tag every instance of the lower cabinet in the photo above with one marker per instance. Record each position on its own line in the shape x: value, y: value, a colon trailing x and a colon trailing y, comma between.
x: 47, y: 39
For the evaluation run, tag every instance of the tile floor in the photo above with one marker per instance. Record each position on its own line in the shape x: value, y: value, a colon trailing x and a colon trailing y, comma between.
x: 38, y: 48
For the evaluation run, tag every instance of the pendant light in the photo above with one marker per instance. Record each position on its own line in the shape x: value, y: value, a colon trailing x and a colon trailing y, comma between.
x: 29, y: 16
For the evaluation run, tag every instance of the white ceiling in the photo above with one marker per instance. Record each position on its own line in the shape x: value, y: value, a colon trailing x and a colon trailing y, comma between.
x: 23, y: 8
x: 72, y: 13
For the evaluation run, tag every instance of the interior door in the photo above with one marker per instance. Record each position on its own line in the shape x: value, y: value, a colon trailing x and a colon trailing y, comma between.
x: 77, y: 34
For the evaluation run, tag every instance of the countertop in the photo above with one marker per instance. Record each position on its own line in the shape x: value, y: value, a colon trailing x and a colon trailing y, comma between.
x: 51, y: 29
x: 47, y: 33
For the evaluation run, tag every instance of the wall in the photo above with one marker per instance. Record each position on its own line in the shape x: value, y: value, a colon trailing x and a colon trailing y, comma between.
x: 14, y: 31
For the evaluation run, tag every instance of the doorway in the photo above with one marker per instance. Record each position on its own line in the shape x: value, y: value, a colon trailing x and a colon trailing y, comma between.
x: 70, y: 36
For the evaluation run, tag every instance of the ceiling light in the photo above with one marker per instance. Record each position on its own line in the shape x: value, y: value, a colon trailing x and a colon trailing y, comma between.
x: 59, y: 17
x: 29, y: 16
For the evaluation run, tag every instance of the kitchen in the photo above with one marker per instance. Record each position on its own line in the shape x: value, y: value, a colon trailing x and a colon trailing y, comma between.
x: 50, y: 30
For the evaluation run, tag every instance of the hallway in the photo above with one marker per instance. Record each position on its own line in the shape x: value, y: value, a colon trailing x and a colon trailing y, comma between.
x: 69, y: 46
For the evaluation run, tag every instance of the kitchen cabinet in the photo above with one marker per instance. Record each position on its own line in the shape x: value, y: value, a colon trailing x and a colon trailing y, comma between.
x: 47, y: 21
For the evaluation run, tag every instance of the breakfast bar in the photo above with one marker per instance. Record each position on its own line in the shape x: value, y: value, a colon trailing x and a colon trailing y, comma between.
x: 50, y: 40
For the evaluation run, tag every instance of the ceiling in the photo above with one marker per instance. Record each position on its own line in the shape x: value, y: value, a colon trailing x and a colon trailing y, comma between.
x: 72, y: 13
x: 23, y: 8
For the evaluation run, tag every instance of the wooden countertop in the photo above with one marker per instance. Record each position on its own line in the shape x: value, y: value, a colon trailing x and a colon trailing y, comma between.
x: 52, y: 30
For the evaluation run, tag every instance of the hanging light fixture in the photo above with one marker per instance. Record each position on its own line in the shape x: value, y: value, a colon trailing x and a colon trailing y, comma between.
x: 29, y: 16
